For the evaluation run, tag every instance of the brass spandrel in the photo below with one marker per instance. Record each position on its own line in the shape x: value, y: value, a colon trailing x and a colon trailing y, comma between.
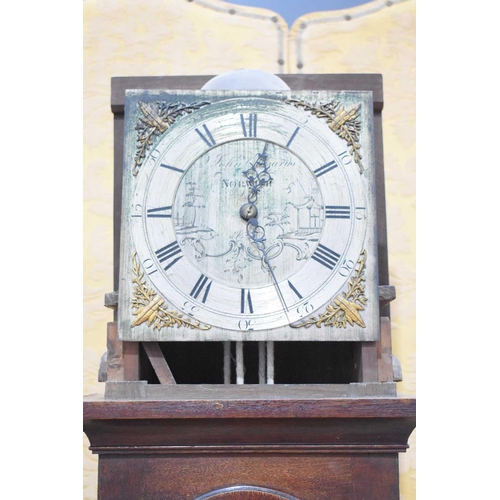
x: 344, y: 308
x: 344, y: 122
x: 155, y: 120
x: 148, y: 307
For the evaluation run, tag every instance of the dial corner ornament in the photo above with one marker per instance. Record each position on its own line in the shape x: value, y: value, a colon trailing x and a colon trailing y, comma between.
x: 344, y: 122
x: 345, y: 308
x: 156, y: 118
x: 149, y: 307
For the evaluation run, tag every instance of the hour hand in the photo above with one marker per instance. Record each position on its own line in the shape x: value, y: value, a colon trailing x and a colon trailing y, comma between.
x: 259, y: 164
x: 258, y: 175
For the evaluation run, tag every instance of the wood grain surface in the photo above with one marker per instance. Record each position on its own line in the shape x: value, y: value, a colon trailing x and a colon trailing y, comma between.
x: 336, y: 448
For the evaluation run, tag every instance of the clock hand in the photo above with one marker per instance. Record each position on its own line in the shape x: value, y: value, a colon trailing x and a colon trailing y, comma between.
x: 249, y: 212
x: 258, y: 235
x: 256, y: 178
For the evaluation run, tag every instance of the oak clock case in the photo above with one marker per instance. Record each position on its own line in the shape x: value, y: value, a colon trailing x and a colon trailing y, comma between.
x: 248, y: 216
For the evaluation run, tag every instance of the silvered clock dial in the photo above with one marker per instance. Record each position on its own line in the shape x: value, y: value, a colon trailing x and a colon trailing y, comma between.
x: 248, y: 216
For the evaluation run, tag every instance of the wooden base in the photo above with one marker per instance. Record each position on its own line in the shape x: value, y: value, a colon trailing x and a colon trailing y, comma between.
x: 261, y: 447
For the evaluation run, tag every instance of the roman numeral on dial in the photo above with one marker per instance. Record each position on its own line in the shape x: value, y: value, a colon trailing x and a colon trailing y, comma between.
x: 246, y: 302
x: 202, y: 288
x: 326, y: 256
x: 294, y: 290
x: 337, y: 212
x: 250, y: 129
x: 169, y: 254
x: 175, y: 169
x: 292, y: 137
x: 327, y: 167
x: 206, y: 136
x: 161, y: 212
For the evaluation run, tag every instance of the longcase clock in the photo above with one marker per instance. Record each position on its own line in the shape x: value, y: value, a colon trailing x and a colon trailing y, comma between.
x: 249, y: 218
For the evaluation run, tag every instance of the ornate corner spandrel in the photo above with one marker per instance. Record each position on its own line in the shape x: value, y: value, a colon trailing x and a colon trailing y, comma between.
x: 150, y: 308
x: 156, y: 118
x: 344, y: 122
x: 344, y: 308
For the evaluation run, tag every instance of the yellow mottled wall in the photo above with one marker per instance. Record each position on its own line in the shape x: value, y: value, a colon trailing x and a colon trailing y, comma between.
x: 181, y: 37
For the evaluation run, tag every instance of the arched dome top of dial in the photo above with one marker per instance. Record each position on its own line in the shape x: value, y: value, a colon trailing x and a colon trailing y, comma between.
x: 246, y: 79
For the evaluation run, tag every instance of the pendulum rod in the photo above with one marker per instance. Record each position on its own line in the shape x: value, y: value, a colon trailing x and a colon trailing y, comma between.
x: 240, y: 367
x: 270, y: 362
x: 227, y: 362
x: 266, y: 362
x: 262, y: 362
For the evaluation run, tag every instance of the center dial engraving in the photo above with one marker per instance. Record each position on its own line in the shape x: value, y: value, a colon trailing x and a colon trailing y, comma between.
x: 212, y: 206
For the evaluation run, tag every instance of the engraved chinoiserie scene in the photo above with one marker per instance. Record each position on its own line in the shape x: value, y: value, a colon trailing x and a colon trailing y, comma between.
x: 207, y: 217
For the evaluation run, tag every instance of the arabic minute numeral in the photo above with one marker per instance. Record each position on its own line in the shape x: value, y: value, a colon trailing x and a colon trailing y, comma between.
x: 305, y: 309
x: 190, y: 309
x: 136, y: 210
x: 346, y: 268
x: 360, y: 213
x: 246, y: 324
x: 345, y: 157
x: 149, y: 266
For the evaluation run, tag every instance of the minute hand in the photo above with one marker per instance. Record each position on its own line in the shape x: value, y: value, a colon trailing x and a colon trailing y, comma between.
x: 258, y: 235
